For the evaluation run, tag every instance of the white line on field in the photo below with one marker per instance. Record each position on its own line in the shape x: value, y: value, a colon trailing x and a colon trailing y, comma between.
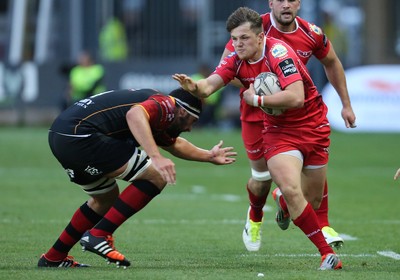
x: 389, y: 254
x: 347, y: 237
x: 309, y: 255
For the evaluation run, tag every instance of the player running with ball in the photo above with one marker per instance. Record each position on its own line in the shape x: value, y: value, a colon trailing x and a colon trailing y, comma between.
x: 296, y: 142
x: 307, y: 40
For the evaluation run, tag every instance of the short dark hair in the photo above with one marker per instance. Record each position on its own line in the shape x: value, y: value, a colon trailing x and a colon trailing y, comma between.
x: 187, y: 101
x: 243, y: 15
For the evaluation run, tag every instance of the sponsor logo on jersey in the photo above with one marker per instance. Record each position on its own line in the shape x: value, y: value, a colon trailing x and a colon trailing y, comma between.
x: 70, y: 173
x: 315, y: 28
x: 168, y: 108
x: 288, y: 68
x: 304, y: 53
x: 250, y: 79
x: 84, y: 103
x: 253, y: 151
x: 92, y: 170
x: 278, y: 50
x: 223, y: 62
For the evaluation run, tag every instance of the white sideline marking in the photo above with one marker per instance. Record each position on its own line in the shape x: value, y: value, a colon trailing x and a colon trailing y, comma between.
x: 309, y: 255
x: 268, y: 208
x: 347, y: 237
x: 389, y: 254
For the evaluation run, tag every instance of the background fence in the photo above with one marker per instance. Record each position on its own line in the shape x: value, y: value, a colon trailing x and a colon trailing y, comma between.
x: 142, y: 42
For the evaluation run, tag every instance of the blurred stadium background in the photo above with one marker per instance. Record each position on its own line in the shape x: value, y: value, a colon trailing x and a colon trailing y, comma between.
x: 141, y: 43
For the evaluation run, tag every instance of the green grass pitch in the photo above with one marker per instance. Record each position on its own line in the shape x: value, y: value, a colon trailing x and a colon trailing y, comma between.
x: 193, y: 229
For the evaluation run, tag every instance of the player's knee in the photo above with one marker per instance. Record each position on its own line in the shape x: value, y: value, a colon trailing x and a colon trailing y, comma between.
x: 147, y: 187
x: 102, y: 202
x: 158, y: 181
x: 313, y: 198
x: 315, y: 203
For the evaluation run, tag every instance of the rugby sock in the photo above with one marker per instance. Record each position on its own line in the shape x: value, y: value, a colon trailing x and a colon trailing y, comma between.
x: 135, y: 197
x: 83, y: 219
x: 308, y: 223
x: 322, y: 211
x: 256, y: 206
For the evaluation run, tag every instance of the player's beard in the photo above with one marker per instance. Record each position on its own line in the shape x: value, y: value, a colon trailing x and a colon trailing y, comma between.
x: 284, y: 22
x: 173, y: 132
x: 176, y: 128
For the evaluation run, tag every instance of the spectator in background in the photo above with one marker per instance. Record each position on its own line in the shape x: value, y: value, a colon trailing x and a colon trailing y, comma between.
x: 112, y: 41
x: 85, y: 79
x: 210, y: 104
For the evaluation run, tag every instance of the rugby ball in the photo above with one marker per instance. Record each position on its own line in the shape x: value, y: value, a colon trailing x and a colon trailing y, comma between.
x: 267, y: 83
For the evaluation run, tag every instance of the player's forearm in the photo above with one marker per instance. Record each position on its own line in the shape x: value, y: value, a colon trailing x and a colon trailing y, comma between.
x: 203, y: 89
x: 185, y: 150
x: 335, y: 74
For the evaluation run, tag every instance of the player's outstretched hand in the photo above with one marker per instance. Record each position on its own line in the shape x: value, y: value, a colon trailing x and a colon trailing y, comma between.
x: 220, y: 156
x: 397, y: 175
x: 186, y: 82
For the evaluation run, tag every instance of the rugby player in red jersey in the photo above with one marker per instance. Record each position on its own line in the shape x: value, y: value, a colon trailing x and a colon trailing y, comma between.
x: 307, y: 40
x: 296, y: 143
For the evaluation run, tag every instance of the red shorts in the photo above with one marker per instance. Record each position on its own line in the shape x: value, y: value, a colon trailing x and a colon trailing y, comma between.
x: 313, y: 143
x: 253, y: 139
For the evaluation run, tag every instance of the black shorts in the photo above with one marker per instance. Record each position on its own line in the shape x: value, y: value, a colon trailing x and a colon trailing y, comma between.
x: 87, y: 158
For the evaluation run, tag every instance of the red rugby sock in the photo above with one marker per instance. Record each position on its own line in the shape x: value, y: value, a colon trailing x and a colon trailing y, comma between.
x: 134, y: 198
x: 83, y: 219
x: 308, y: 223
x: 256, y: 206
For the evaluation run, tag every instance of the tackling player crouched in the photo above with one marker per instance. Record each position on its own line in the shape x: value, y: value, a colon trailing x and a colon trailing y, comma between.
x: 97, y: 141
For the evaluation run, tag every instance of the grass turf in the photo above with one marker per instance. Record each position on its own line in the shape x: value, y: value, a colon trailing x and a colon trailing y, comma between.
x: 193, y: 229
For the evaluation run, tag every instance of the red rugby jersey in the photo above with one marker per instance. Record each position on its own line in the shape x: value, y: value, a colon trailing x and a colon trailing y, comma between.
x: 280, y: 59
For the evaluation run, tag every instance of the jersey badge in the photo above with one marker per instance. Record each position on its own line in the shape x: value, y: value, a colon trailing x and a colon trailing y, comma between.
x: 288, y: 68
x: 315, y: 29
x: 278, y: 50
